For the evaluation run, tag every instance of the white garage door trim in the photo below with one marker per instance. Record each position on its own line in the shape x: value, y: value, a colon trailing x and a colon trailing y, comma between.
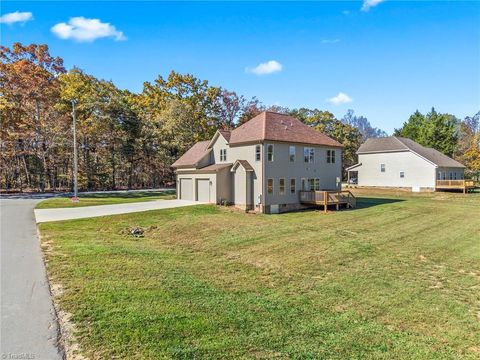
x: 186, y: 189
x: 203, y: 190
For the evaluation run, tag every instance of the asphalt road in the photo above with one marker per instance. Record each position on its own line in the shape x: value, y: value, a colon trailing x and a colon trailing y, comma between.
x: 28, y: 323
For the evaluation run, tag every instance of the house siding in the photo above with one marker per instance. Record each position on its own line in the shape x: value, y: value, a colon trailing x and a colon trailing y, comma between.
x: 281, y: 167
x: 418, y: 171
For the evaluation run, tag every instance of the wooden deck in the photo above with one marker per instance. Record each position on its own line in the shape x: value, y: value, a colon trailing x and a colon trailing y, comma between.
x: 464, y: 185
x: 326, y: 198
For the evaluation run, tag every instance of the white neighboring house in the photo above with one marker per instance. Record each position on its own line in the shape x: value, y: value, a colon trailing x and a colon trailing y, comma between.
x: 262, y: 165
x: 402, y: 163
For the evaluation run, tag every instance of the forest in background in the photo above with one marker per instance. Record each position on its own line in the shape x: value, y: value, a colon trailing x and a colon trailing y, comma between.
x: 129, y: 140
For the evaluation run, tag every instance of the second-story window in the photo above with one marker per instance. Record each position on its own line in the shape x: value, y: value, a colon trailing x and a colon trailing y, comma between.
x: 331, y: 156
x: 223, y: 154
x: 258, y: 152
x: 291, y: 153
x: 270, y: 152
x: 308, y: 154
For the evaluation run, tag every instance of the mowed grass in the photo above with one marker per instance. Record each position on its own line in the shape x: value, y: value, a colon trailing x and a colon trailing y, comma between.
x: 397, y: 278
x: 107, y: 198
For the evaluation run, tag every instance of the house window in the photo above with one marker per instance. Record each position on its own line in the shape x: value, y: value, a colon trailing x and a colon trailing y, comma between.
x: 451, y: 176
x: 455, y: 176
x: 317, y: 184
x: 291, y: 153
x: 439, y: 175
x: 270, y: 186
x: 382, y: 167
x: 331, y: 156
x: 258, y: 152
x: 461, y: 176
x: 270, y: 152
x: 223, y: 154
x: 311, y: 184
x: 402, y: 174
x: 292, y: 186
x: 303, y: 184
x: 281, y: 186
x: 308, y: 154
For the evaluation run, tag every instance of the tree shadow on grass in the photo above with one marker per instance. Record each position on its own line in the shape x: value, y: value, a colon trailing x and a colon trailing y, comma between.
x: 366, y: 202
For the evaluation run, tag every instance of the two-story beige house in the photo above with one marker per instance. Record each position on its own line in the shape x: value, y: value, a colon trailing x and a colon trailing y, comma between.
x: 261, y: 165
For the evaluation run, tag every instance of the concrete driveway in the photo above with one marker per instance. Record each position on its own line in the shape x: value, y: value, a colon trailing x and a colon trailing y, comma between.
x: 45, y: 215
x: 29, y: 328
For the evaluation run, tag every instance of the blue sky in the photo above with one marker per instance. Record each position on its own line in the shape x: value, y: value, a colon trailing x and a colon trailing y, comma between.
x: 388, y: 61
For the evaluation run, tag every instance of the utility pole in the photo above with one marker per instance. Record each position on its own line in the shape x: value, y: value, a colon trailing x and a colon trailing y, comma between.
x: 75, y: 160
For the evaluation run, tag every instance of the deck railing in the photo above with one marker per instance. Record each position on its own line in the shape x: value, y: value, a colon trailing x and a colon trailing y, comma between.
x: 326, y: 198
x: 464, y: 185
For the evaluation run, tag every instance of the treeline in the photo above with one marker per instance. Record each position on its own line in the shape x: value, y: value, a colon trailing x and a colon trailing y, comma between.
x: 124, y: 139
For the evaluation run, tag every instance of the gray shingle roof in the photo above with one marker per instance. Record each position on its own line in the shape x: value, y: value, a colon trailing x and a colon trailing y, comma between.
x: 396, y: 143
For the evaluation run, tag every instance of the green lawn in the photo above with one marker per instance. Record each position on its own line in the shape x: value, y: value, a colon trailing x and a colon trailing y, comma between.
x: 107, y: 198
x: 397, y: 278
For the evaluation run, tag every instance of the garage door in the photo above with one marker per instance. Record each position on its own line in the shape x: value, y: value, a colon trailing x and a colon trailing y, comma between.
x: 186, y: 189
x: 203, y: 190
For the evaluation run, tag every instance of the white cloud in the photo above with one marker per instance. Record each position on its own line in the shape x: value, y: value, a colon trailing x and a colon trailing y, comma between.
x: 367, y: 4
x: 330, y: 41
x: 16, y: 16
x: 268, y: 67
x: 346, y: 12
x: 341, y: 98
x: 86, y: 30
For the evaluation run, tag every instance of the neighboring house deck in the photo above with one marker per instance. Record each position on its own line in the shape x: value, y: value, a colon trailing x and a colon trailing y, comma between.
x: 463, y: 185
x: 402, y: 163
x: 262, y: 165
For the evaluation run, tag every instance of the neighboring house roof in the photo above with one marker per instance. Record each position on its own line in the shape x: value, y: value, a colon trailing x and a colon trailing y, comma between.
x: 246, y: 165
x: 193, y: 155
x: 396, y: 143
x: 279, y: 127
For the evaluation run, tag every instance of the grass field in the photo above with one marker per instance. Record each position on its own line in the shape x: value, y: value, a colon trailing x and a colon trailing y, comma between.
x: 107, y: 198
x: 397, y: 278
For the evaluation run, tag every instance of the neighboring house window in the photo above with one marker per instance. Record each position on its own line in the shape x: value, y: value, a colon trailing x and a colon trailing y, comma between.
x: 311, y: 184
x: 270, y: 186
x: 291, y: 153
x: 382, y: 167
x: 303, y: 184
x: 223, y: 154
x: 461, y: 176
x: 317, y: 184
x: 402, y: 174
x: 281, y: 186
x: 308, y: 154
x: 270, y: 152
x: 258, y: 152
x: 451, y: 176
x: 454, y: 176
x: 439, y: 175
x: 292, y: 186
x: 331, y: 156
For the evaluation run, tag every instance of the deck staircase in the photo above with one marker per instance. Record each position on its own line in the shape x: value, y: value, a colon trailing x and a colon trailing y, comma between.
x: 329, y: 198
